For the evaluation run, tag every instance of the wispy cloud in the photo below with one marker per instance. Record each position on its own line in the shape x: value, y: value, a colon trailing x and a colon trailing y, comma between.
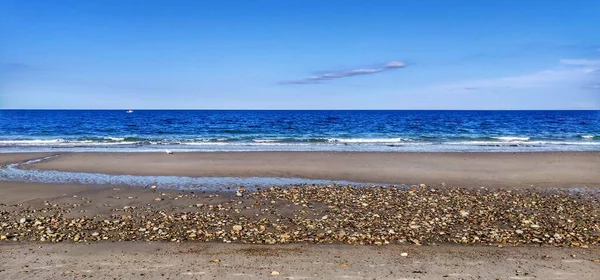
x: 12, y: 67
x: 585, y: 73
x: 581, y: 62
x: 347, y: 73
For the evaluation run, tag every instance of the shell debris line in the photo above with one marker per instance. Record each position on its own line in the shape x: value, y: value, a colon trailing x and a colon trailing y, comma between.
x: 376, y: 215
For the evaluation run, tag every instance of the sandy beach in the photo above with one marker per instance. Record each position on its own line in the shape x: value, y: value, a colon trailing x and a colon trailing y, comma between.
x: 544, y: 169
x: 155, y: 260
x: 130, y: 209
x: 487, y: 223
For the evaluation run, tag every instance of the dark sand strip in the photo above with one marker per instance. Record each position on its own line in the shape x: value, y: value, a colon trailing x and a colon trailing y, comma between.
x: 20, y: 157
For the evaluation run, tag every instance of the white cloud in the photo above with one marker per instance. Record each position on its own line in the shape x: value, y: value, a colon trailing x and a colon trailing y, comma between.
x: 547, y: 78
x: 586, y: 72
x: 581, y: 62
x: 347, y: 73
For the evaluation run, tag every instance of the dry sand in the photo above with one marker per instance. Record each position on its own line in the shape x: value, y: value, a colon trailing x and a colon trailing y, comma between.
x: 552, y: 169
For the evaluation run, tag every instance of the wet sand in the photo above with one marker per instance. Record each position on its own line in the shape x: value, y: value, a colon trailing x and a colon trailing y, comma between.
x: 543, y: 169
x: 20, y: 157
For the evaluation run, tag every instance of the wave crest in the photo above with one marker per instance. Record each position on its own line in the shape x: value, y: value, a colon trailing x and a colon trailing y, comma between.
x: 511, y: 138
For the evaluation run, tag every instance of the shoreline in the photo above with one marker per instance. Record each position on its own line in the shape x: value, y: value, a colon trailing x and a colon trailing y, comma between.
x: 507, y: 170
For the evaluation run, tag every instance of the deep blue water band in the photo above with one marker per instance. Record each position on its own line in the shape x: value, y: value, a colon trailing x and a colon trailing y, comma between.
x: 154, y: 130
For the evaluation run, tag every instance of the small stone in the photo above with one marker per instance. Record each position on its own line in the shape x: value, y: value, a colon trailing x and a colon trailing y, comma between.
x: 422, y: 185
x: 596, y: 260
x: 239, y: 194
x: 237, y: 228
x: 158, y: 199
x: 404, y: 255
x: 275, y: 273
x: 153, y: 187
x: 215, y: 261
x: 534, y: 226
x: 344, y: 265
x: 22, y: 220
x: 518, y: 231
x: 271, y: 241
x: 95, y: 234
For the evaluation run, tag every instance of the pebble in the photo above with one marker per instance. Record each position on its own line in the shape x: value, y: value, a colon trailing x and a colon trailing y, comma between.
x: 275, y: 273
x: 374, y: 215
x: 404, y: 255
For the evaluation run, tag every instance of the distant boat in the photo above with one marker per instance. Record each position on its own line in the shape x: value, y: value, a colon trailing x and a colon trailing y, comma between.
x: 129, y: 111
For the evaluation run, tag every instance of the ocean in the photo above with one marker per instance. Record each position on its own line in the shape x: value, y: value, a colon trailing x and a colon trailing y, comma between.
x: 249, y: 130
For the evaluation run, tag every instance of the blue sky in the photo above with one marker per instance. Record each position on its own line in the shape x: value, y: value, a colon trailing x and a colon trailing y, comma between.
x: 273, y: 54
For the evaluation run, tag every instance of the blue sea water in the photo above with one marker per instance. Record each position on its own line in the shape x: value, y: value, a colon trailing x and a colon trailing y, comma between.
x: 240, y: 130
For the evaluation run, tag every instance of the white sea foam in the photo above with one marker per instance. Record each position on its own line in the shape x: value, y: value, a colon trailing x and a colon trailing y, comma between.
x: 524, y: 143
x: 114, y: 138
x: 58, y: 142
x: 265, y: 140
x: 366, y: 140
x: 587, y: 136
x: 35, y: 141
x: 204, y: 143
x: 512, y: 138
x: 31, y: 142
